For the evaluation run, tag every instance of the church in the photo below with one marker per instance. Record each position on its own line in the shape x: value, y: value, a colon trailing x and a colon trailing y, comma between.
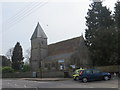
x: 57, y: 56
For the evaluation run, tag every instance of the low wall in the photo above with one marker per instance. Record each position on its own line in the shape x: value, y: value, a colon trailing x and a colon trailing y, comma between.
x: 55, y: 74
x: 111, y: 69
x: 30, y: 74
x: 17, y: 75
x: 52, y: 74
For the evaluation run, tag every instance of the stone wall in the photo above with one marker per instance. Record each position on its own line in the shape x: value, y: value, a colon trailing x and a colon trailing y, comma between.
x: 112, y: 68
x: 39, y: 50
x: 56, y: 74
x: 50, y: 74
x: 65, y: 49
x: 59, y: 51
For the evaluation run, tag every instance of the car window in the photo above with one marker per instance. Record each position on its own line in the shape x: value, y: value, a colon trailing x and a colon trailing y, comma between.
x: 96, y: 71
x: 83, y: 72
x: 76, y: 71
x: 88, y: 72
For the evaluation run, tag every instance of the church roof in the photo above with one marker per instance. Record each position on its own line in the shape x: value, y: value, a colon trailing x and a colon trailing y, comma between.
x: 66, y: 46
x: 38, y: 32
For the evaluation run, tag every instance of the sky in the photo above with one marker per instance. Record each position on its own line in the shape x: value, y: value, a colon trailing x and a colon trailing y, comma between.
x: 60, y: 20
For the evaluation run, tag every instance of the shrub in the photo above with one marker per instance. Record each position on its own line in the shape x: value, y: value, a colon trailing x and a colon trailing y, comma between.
x: 7, y: 69
x: 0, y: 69
x: 26, y: 68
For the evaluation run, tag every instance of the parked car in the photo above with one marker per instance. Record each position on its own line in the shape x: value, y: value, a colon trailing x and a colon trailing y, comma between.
x: 93, y: 74
x: 76, y: 74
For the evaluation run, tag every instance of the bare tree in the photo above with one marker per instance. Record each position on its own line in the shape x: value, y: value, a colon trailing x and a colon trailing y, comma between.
x: 9, y: 53
x: 27, y: 56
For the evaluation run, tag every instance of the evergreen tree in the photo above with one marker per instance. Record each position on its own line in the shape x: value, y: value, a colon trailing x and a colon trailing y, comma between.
x: 17, y: 57
x: 117, y: 24
x: 98, y: 16
x: 117, y: 14
x: 99, y: 21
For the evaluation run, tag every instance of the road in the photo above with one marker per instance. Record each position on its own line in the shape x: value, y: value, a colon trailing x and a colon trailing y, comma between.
x: 70, y: 83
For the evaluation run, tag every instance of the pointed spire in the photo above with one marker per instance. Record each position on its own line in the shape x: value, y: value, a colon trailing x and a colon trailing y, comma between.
x: 38, y: 32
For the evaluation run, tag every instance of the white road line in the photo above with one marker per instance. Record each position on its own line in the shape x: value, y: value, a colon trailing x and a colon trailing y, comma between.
x: 91, y: 87
x: 42, y: 82
x: 25, y: 86
x: 113, y: 87
x: 16, y: 85
x: 34, y: 81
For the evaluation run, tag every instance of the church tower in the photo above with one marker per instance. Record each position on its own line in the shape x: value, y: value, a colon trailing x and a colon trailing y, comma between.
x: 39, y: 48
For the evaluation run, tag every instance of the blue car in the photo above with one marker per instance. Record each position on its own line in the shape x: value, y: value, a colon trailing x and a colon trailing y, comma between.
x: 93, y: 74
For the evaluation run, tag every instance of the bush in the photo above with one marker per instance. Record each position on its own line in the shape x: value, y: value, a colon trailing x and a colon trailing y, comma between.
x: 7, y: 69
x: 26, y: 68
x: 0, y: 69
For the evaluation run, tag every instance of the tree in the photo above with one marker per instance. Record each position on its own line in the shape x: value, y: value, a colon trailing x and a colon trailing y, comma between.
x: 5, y: 61
x: 9, y: 53
x: 104, y: 50
x: 17, y: 57
x: 117, y: 14
x: 98, y: 16
x: 27, y: 56
x: 117, y: 24
x: 99, y: 22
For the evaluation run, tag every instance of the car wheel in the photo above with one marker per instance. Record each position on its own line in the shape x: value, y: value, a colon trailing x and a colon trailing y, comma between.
x: 76, y: 78
x: 106, y: 78
x: 84, y: 80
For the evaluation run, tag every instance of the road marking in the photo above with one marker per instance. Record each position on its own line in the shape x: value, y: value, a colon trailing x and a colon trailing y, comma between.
x: 42, y: 82
x: 34, y: 81
x: 16, y: 85
x: 91, y: 87
x: 25, y: 86
x: 113, y: 87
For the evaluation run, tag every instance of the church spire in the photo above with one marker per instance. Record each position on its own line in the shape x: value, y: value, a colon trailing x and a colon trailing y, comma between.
x: 38, y: 32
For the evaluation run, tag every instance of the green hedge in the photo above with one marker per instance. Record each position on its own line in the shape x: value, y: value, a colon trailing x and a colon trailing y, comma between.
x: 26, y: 68
x: 0, y: 69
x: 7, y: 69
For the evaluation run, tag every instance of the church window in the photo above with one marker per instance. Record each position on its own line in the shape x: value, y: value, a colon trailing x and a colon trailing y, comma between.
x: 42, y: 42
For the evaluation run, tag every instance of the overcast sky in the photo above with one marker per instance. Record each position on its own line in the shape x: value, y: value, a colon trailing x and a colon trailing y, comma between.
x: 59, y: 19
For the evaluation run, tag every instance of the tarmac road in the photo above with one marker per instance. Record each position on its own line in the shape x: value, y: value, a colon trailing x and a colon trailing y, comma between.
x: 68, y: 83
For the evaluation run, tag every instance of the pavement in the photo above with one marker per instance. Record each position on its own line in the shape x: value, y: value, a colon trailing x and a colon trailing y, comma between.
x: 52, y: 79
x: 61, y: 83
x: 45, y: 79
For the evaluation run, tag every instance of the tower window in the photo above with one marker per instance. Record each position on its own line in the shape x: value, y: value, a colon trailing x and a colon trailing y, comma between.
x: 42, y: 42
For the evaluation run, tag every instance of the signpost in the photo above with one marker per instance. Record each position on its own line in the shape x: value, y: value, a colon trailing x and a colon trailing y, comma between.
x: 61, y: 64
